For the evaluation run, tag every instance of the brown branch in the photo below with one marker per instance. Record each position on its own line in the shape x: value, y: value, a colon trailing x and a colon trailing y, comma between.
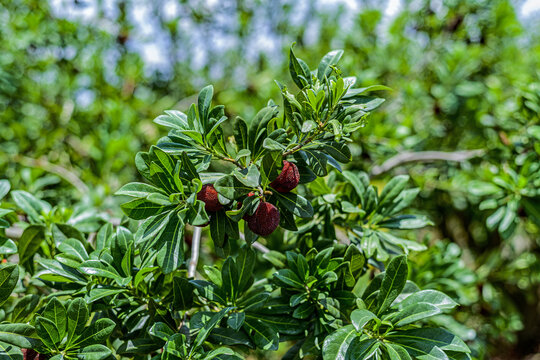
x: 425, y: 156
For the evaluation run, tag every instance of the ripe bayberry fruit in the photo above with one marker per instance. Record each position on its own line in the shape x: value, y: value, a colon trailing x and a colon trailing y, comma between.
x: 209, y: 196
x: 265, y: 219
x: 29, y: 354
x: 288, y: 178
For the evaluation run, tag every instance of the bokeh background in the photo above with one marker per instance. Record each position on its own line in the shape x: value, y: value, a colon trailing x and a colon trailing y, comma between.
x: 82, y: 80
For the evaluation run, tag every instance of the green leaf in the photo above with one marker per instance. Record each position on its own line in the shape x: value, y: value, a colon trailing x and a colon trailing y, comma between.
x: 327, y: 61
x: 207, y: 328
x: 406, y: 222
x: 209, y: 291
x: 264, y: 336
x: 481, y: 188
x: 55, y: 311
x: 102, y: 292
x: 427, y: 342
x: 99, y: 268
x: 413, y: 313
x: 533, y: 130
x: 241, y: 133
x: 296, y: 204
x: 176, y: 346
x: 229, y: 187
x: 249, y: 176
x: 396, y: 352
x: 392, y: 189
x: 171, y: 245
x: 103, y: 237
x: 336, y: 344
x: 94, y: 352
x: 30, y: 242
x: 271, y: 164
x: 74, y: 247
x: 245, y: 263
x: 140, y: 209
x: 9, y: 275
x: 9, y: 352
x: 433, y: 297
x: 161, y: 331
x: 300, y: 75
x: 77, y: 316
x: 204, y: 100
x: 392, y: 284
x: 338, y: 150
x: 229, y: 277
x: 360, y: 318
x: 217, y: 228
x: 7, y: 246
x: 4, y: 188
x: 361, y: 349
x: 182, y: 293
x: 174, y: 119
x: 288, y: 279
x: 221, y: 353
x: 138, y: 190
x: 236, y: 320
x: 228, y: 337
x: 32, y: 206
x: 283, y: 324
x: 24, y: 307
x: 47, y: 332
x: 316, y: 160
x: 21, y: 335
x: 97, y: 333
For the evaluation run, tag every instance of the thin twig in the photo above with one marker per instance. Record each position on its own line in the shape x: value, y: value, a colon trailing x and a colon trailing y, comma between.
x: 258, y: 246
x: 195, y: 244
x: 425, y: 156
x: 64, y: 173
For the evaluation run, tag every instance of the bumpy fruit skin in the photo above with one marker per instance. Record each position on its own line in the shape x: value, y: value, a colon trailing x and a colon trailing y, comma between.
x: 288, y: 178
x: 265, y: 219
x: 209, y: 196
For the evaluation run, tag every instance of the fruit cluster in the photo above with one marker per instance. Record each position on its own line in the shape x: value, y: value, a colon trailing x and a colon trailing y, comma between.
x: 266, y: 217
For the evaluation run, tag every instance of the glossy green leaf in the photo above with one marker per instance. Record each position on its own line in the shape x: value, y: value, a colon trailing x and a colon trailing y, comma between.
x: 296, y: 204
x: 21, y: 335
x: 336, y: 344
x: 392, y: 284
x: 360, y: 318
x: 327, y: 62
x: 94, y: 352
x: 30, y: 242
x: 264, y: 336
x: 9, y: 275
x: 55, y: 311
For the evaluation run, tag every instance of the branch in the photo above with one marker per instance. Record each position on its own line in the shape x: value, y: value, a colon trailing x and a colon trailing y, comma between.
x: 256, y: 245
x: 64, y: 173
x: 425, y: 156
x: 195, y: 244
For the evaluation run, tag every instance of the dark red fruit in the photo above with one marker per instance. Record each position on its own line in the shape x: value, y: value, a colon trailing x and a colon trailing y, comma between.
x: 29, y: 354
x: 265, y: 219
x: 209, y: 196
x: 288, y: 178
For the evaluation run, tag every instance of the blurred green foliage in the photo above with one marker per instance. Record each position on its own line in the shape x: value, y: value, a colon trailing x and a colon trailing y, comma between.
x: 77, y: 99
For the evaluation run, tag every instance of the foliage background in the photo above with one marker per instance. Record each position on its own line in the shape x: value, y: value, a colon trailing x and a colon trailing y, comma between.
x: 81, y: 81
